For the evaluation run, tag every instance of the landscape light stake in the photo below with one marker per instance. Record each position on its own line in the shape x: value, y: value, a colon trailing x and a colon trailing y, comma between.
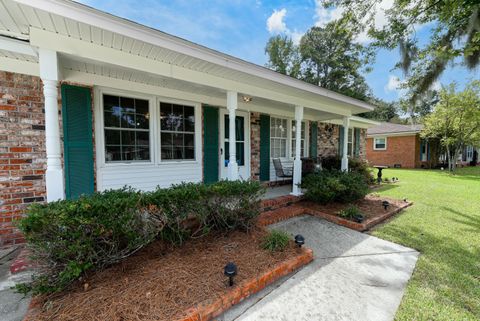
x: 385, y: 204
x: 299, y: 240
x: 230, y: 270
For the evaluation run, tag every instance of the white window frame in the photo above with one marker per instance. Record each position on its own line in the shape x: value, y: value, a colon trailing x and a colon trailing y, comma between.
x: 154, y: 129
x: 305, y: 127
x: 286, y: 138
x: 197, y: 133
x: 375, y: 143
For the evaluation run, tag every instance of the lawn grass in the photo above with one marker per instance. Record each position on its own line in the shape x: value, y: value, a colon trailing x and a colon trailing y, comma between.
x: 444, y: 225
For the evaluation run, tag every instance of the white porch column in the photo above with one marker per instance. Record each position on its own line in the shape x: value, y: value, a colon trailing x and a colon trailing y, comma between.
x: 297, y: 163
x: 54, y: 177
x: 232, y: 104
x: 346, y: 124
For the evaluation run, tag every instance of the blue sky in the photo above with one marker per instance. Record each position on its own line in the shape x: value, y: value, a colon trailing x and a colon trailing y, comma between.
x: 242, y: 27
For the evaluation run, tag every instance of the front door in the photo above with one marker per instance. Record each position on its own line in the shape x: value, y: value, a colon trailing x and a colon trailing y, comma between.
x: 242, y: 130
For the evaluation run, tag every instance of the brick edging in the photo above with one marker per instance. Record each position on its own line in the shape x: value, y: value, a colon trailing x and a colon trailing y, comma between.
x: 215, y: 307
x: 274, y: 216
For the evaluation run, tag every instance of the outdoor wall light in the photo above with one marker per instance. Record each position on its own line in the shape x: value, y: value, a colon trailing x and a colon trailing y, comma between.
x: 247, y: 99
x: 385, y: 204
x: 299, y: 240
x: 230, y: 271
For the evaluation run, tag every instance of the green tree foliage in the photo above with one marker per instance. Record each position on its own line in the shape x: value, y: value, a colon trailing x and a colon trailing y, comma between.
x: 386, y: 112
x: 455, y: 120
x: 284, y: 56
x: 455, y: 34
x: 327, y: 57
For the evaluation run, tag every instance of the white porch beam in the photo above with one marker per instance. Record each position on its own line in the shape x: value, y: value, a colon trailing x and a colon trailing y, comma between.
x: 19, y: 66
x: 87, y: 50
x: 297, y: 163
x: 232, y: 105
x: 54, y: 175
x: 346, y: 125
x: 17, y: 46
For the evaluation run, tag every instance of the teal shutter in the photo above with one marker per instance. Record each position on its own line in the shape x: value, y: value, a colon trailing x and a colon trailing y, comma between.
x: 313, y: 139
x: 340, y: 141
x: 264, y: 147
x: 77, y: 141
x: 210, y: 144
x: 357, y: 141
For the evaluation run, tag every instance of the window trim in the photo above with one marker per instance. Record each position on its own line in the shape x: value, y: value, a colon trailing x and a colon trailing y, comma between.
x: 100, y: 127
x: 154, y: 124
x: 195, y: 131
x: 375, y: 145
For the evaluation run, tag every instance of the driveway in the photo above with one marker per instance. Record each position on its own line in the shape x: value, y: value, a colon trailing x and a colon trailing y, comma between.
x: 354, y: 276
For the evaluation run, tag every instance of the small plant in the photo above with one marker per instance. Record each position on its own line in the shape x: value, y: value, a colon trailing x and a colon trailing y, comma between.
x: 276, y: 241
x: 350, y: 212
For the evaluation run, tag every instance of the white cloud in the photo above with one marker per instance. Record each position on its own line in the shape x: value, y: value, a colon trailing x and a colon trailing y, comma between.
x: 324, y: 16
x: 436, y: 86
x: 275, y: 23
x: 393, y: 85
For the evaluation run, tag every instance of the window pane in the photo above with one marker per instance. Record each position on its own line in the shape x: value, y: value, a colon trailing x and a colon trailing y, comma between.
x: 176, y: 118
x: 112, y: 137
x: 177, y: 140
x: 240, y: 154
x: 189, y: 153
x: 189, y: 118
x: 165, y: 110
x: 142, y: 138
x: 188, y: 140
x: 112, y: 153
x: 128, y: 137
x: 239, y: 128
x: 167, y: 139
x: 178, y: 152
x: 167, y: 152
x: 126, y: 113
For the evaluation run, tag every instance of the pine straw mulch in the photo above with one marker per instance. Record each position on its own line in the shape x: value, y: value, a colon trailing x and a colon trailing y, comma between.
x: 371, y: 206
x: 161, y: 282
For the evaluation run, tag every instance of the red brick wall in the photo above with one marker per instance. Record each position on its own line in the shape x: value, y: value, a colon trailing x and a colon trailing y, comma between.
x: 255, y: 146
x: 22, y: 150
x: 400, y: 150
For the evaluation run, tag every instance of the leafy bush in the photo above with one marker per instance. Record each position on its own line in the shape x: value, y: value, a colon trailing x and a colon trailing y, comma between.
x: 276, y: 241
x: 69, y: 237
x: 329, y: 186
x: 350, y: 212
x: 354, y: 165
x: 233, y: 205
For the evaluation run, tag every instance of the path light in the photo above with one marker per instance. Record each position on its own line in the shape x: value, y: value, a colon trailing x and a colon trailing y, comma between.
x: 405, y: 200
x: 385, y: 204
x: 299, y: 240
x: 230, y: 270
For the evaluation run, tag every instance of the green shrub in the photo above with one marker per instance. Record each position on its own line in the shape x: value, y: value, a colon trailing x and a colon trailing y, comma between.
x: 354, y: 165
x: 275, y: 241
x: 233, y: 205
x: 329, y: 186
x: 70, y: 237
x: 350, y: 212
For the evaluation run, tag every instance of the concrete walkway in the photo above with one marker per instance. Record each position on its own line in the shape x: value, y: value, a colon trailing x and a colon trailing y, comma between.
x: 13, y: 306
x: 354, y: 276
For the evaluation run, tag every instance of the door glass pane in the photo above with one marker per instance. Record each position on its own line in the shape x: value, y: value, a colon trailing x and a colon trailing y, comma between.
x: 240, y: 137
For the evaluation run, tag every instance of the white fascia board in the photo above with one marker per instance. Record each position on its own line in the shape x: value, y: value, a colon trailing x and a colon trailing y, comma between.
x: 19, y: 66
x: 87, y: 50
x: 102, y: 20
x: 366, y: 121
x: 412, y: 133
x: 17, y: 46
x: 141, y: 88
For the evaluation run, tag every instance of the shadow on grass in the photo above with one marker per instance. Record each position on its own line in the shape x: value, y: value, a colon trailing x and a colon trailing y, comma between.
x: 384, y: 188
x: 446, y: 268
x: 469, y: 220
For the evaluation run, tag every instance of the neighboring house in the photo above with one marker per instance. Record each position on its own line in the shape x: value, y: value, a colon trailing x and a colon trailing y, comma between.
x: 397, y: 145
x: 90, y: 101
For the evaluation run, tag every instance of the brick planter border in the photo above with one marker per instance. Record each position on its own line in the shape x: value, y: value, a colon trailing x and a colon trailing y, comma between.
x: 215, y: 307
x: 278, y: 215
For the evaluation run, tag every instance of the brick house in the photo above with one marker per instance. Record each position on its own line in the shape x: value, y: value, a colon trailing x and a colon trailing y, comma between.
x: 397, y: 145
x: 90, y: 101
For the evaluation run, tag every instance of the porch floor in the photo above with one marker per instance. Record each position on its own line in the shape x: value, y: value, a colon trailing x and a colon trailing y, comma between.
x: 277, y: 191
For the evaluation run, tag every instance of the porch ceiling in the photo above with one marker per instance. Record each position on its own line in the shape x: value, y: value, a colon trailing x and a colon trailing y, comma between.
x: 158, y: 59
